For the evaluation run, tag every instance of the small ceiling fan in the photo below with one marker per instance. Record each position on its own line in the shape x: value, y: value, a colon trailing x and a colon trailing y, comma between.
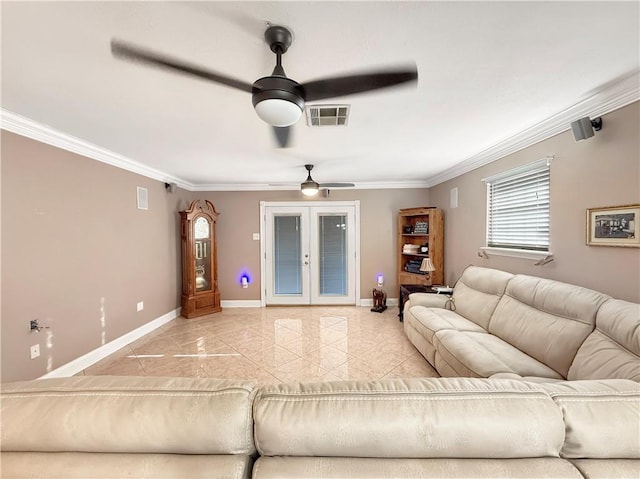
x: 310, y: 187
x: 277, y: 99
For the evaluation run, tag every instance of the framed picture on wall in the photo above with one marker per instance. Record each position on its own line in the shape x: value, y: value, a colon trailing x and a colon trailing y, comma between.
x: 614, y: 226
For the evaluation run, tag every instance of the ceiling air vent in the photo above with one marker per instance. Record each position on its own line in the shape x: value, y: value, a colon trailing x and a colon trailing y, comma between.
x: 327, y: 115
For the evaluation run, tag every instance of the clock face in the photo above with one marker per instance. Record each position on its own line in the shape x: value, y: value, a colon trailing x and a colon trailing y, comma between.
x: 201, y: 228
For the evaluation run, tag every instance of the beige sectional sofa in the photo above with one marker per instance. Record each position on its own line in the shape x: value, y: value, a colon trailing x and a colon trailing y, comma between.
x: 99, y: 427
x: 500, y: 325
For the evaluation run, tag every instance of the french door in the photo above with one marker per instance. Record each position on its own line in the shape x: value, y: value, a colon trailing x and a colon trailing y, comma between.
x: 310, y: 253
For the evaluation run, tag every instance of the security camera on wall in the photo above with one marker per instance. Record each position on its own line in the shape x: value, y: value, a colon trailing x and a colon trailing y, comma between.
x: 584, y: 127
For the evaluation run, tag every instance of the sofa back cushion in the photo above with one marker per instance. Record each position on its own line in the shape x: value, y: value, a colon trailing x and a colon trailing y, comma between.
x: 118, y: 414
x: 408, y: 418
x: 546, y: 319
x: 478, y: 291
x: 601, y: 418
x: 612, y: 350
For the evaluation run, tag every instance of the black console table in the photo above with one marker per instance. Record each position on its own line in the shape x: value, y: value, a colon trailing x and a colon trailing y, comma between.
x: 407, y: 289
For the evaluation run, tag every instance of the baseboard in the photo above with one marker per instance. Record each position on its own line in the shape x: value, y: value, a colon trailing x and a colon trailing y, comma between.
x: 240, y: 303
x: 255, y: 303
x: 83, y: 362
x: 369, y: 302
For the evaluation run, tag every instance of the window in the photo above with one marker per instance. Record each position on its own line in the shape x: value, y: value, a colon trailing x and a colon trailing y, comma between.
x: 518, y: 208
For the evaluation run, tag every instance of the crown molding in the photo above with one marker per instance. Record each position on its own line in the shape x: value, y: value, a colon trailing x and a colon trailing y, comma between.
x: 604, y: 100
x: 296, y: 186
x: 45, y: 134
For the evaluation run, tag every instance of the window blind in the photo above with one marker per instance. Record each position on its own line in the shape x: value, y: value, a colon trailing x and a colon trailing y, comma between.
x: 518, y: 209
x: 333, y: 255
x: 287, y: 249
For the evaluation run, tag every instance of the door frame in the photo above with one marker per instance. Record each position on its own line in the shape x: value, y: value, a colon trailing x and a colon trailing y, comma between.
x: 307, y: 204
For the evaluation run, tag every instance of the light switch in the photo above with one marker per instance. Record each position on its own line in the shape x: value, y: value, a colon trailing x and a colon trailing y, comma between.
x: 256, y: 236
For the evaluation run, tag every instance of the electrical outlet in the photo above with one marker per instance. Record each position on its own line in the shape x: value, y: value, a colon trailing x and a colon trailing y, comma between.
x: 140, y: 306
x: 35, y: 351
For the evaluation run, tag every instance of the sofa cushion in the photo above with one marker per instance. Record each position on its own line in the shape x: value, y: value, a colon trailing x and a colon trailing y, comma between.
x: 420, y: 324
x: 376, y: 468
x: 478, y: 291
x: 430, y: 320
x: 83, y: 465
x: 601, y: 417
x: 613, y: 349
x: 420, y: 342
x: 128, y: 415
x: 608, y: 468
x: 473, y: 354
x: 546, y: 319
x: 408, y: 418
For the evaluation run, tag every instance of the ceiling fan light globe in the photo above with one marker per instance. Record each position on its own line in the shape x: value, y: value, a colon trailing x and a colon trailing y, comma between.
x: 310, y: 188
x: 278, y: 112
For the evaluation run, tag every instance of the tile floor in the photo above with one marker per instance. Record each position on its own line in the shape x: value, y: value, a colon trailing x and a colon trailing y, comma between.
x: 275, y: 344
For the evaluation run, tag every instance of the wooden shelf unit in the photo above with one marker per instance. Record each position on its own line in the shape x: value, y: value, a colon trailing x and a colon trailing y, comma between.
x: 434, y: 239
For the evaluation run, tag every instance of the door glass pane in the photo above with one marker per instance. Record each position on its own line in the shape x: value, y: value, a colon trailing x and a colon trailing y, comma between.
x: 332, y: 242
x: 287, y: 269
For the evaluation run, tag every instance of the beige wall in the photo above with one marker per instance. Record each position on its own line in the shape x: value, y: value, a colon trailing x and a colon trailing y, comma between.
x: 601, y: 171
x: 75, y: 248
x: 240, y: 218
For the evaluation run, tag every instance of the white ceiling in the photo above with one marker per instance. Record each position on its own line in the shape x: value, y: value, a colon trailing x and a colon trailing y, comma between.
x: 489, y: 72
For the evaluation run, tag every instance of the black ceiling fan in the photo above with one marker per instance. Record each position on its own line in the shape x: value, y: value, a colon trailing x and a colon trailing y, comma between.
x: 310, y: 187
x: 278, y: 100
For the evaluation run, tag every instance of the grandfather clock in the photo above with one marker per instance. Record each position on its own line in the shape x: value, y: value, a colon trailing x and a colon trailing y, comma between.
x: 200, y: 294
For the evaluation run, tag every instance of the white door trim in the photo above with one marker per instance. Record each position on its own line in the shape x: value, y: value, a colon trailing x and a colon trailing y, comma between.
x: 263, y: 229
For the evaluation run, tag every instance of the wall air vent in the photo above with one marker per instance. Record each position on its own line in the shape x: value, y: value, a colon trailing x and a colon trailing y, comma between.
x: 327, y: 115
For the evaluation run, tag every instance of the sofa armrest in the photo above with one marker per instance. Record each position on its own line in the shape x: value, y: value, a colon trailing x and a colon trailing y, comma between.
x: 427, y: 300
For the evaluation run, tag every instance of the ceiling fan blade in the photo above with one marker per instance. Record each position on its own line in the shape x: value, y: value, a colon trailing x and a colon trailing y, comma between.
x: 283, y: 133
x: 121, y: 49
x: 337, y: 185
x: 348, y: 85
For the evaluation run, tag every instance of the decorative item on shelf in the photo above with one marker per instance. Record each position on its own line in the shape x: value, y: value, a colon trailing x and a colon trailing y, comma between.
x: 424, y: 249
x: 413, y: 266
x: 427, y: 267
x: 421, y: 228
x: 407, y: 229
x: 411, y: 248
